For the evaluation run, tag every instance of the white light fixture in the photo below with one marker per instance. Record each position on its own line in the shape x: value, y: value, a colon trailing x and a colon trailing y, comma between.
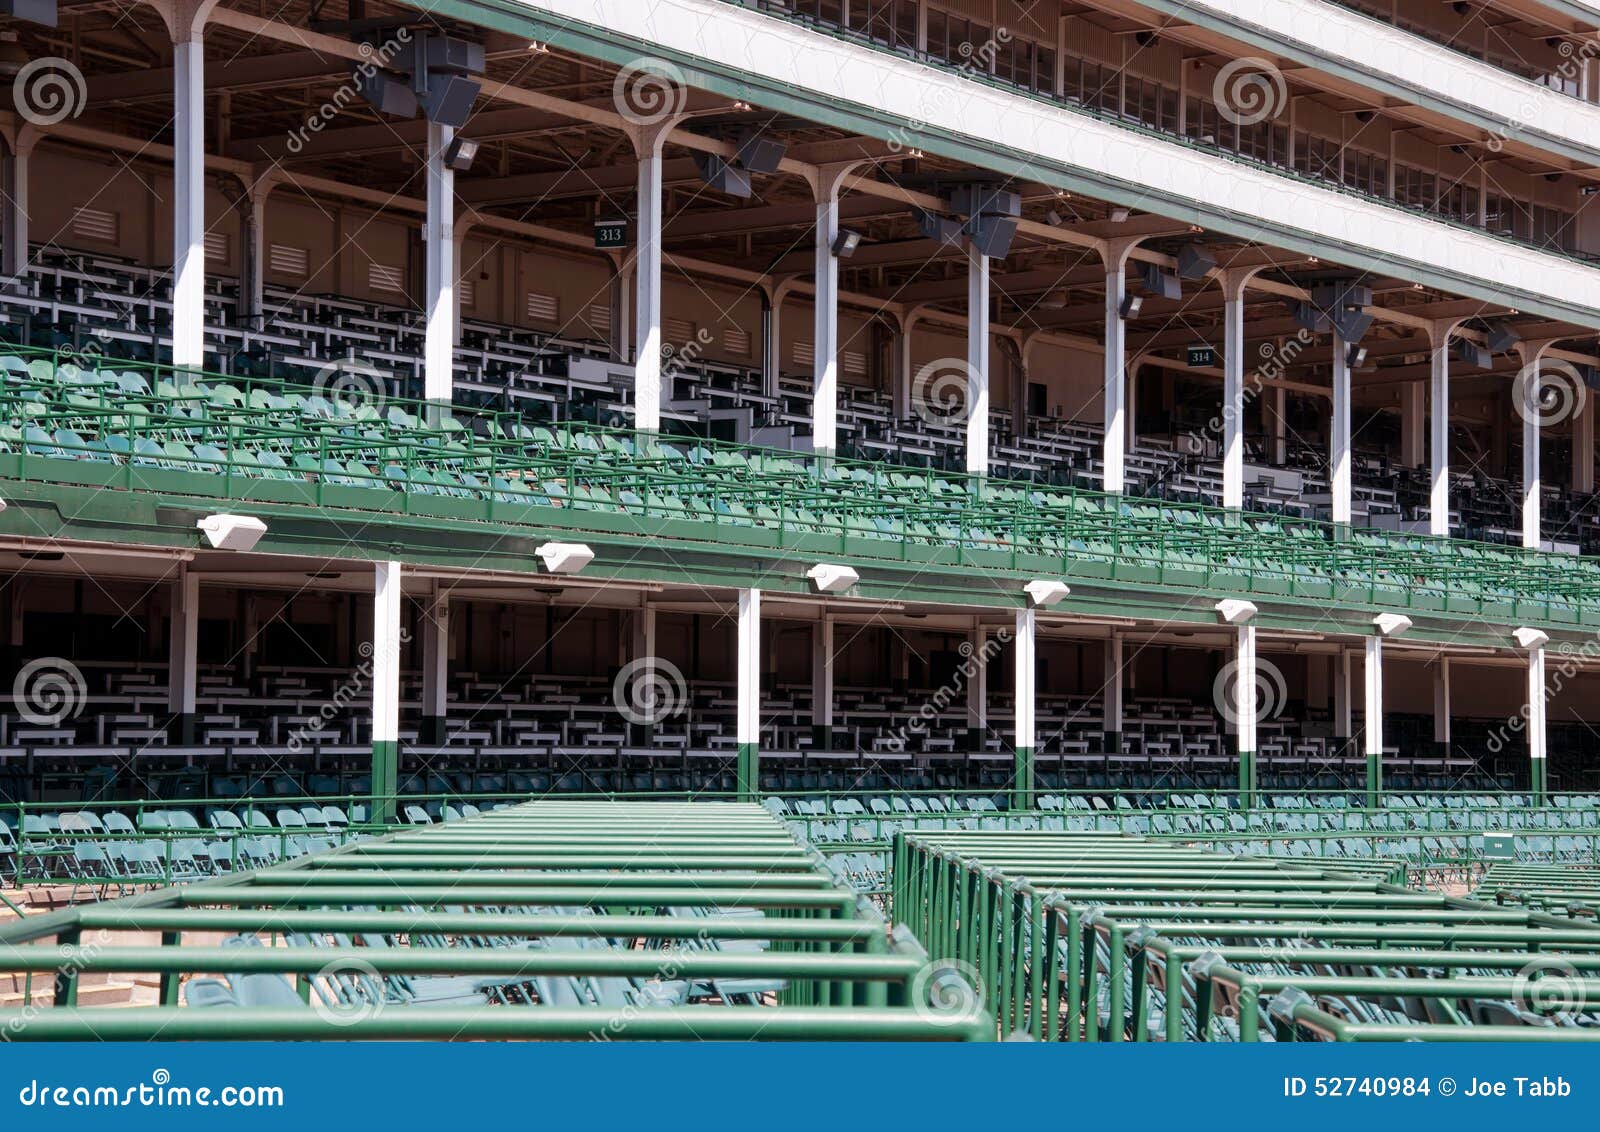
x: 830, y: 579
x: 1129, y: 307
x: 232, y: 532
x: 1045, y: 593
x: 1391, y: 624
x: 565, y: 557
x: 1120, y: 215
x: 1530, y: 639
x: 1235, y: 610
x: 845, y: 244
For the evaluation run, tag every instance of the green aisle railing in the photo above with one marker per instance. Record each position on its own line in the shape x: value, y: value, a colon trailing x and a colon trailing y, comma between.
x: 551, y: 919
x: 1095, y: 937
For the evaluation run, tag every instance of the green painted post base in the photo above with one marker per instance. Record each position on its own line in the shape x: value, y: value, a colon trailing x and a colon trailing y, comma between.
x: 1374, y: 780
x: 432, y: 733
x: 183, y: 730
x: 1022, y: 783
x: 1539, y: 774
x: 749, y: 771
x: 385, y: 778
x: 1247, y: 779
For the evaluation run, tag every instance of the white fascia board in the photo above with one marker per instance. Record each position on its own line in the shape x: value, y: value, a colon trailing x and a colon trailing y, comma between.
x: 1319, y: 33
x: 941, y: 110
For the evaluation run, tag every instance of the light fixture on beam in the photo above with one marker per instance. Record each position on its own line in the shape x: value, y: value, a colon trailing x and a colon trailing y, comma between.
x: 565, y: 557
x: 232, y: 532
x: 1159, y: 282
x: 459, y: 154
x: 1043, y: 592
x: 1355, y: 355
x: 832, y: 579
x: 759, y: 154
x: 845, y: 244
x: 1129, y: 307
x: 1391, y: 624
x: 1530, y: 639
x: 1119, y: 215
x: 722, y: 176
x: 1235, y: 610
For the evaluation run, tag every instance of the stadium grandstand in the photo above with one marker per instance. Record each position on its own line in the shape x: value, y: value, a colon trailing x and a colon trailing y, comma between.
x: 912, y: 519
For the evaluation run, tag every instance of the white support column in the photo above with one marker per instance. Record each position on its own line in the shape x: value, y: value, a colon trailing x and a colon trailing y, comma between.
x: 1246, y: 710
x: 1538, y: 738
x: 1439, y: 427
x: 438, y: 350
x: 1339, y: 433
x: 1233, y: 397
x: 903, y: 375
x: 14, y: 236
x: 647, y: 279
x: 1532, y: 487
x: 385, y: 661
x: 435, y: 667
x: 189, y: 203
x: 822, y: 661
x: 1413, y: 423
x: 1115, y: 672
x: 1372, y: 704
x: 1026, y: 663
x: 748, y: 736
x: 1115, y: 385
x: 772, y: 342
x: 825, y: 332
x: 1583, y: 447
x: 977, y: 690
x: 1441, y: 703
x: 182, y: 658
x: 977, y: 362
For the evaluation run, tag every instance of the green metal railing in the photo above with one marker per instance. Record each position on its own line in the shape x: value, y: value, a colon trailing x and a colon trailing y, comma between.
x: 599, y: 920
x: 1094, y: 937
x: 489, y: 467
